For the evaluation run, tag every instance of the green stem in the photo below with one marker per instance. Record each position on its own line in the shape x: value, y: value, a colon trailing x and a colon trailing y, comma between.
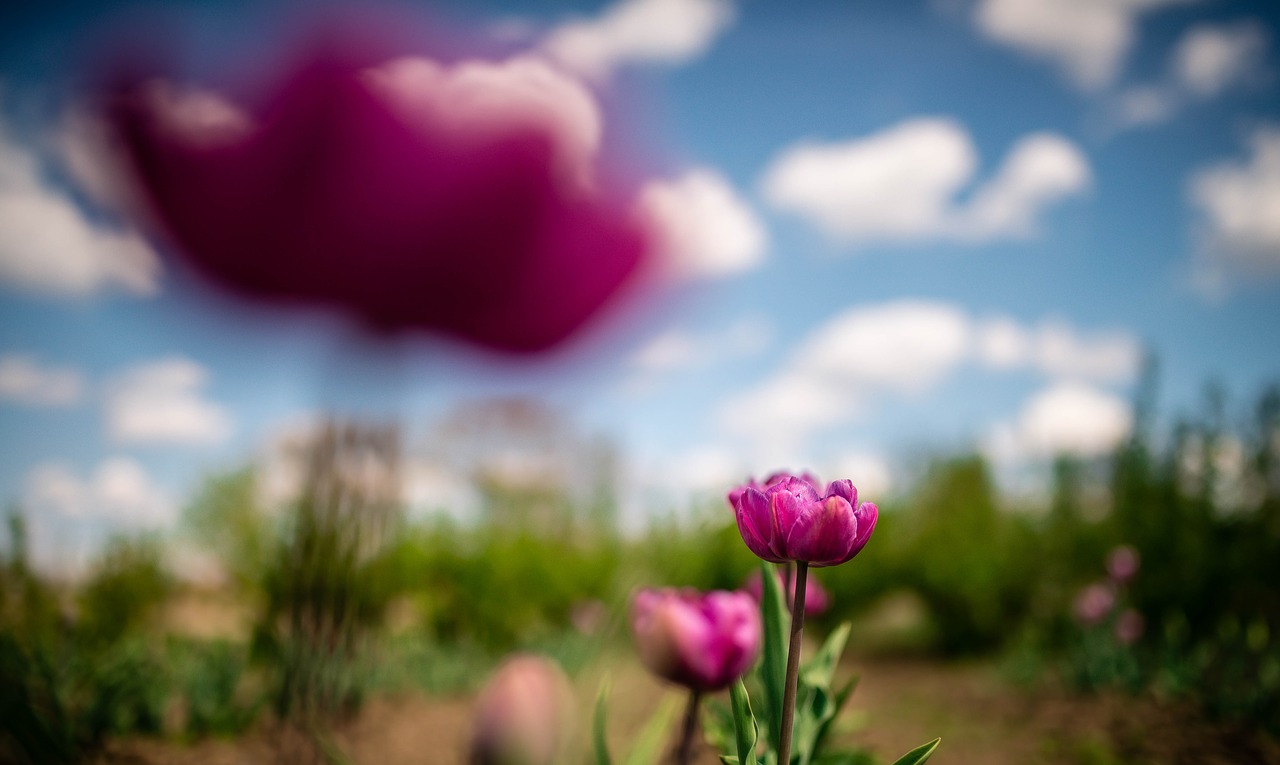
x: 685, y: 749
x: 793, y: 663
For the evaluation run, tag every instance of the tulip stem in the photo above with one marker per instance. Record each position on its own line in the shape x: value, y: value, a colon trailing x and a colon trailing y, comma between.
x: 685, y: 749
x: 793, y: 662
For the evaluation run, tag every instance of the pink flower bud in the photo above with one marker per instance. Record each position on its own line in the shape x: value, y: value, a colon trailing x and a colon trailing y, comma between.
x: 816, y: 599
x: 788, y: 520
x: 1122, y: 564
x: 1094, y: 603
x: 701, y: 641
x: 523, y: 715
x: 1129, y: 626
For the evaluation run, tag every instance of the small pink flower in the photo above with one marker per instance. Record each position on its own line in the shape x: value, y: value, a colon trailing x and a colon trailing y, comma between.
x: 816, y: 599
x: 788, y: 520
x: 700, y: 641
x: 523, y: 715
x: 1094, y: 603
x: 1129, y: 626
x: 1123, y: 563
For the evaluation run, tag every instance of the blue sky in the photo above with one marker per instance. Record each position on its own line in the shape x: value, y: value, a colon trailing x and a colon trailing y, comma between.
x: 902, y: 227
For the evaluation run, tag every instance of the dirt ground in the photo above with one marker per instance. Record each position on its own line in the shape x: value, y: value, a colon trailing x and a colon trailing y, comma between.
x: 898, y: 704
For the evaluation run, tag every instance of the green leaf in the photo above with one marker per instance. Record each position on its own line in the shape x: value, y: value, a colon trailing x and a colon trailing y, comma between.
x: 920, y: 754
x: 820, y: 670
x: 599, y: 745
x: 841, y: 696
x: 773, y: 667
x: 648, y: 745
x: 744, y: 723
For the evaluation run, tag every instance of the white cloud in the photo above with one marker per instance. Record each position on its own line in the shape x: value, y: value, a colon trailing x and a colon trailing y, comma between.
x: 1209, y: 59
x: 669, y: 350
x: 639, y: 31
x: 1238, y: 203
x: 868, y: 471
x: 901, y: 184
x: 1040, y: 170
x: 25, y: 381
x: 162, y: 402
x: 905, y: 345
x: 908, y: 347
x: 48, y: 245
x: 1066, y: 418
x: 1058, y: 351
x: 679, y: 349
x: 706, y: 228
x: 1087, y: 39
x: 119, y: 491
x: 484, y: 98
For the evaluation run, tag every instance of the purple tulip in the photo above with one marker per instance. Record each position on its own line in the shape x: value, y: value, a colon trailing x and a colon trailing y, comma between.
x: 735, y: 494
x: 1122, y: 564
x: 468, y: 198
x: 701, y: 641
x: 788, y: 520
x: 1094, y: 603
x: 523, y: 715
x: 816, y: 599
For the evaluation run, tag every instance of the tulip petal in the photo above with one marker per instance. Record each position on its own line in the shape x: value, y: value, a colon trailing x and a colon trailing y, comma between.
x: 755, y: 524
x: 866, y: 515
x: 824, y: 532
x: 844, y: 488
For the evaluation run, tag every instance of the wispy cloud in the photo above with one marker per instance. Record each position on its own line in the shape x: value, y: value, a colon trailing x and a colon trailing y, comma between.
x: 1087, y: 40
x: 163, y: 402
x: 638, y: 31
x: 903, y: 184
x: 708, y: 230
x: 1238, y: 204
x: 24, y: 380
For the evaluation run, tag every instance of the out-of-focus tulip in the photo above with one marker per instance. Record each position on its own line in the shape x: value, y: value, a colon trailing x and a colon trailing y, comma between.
x: 788, y: 520
x: 1122, y: 564
x: 816, y: 599
x: 703, y: 641
x: 1094, y: 603
x: 523, y: 715
x: 1129, y: 626
x: 468, y: 198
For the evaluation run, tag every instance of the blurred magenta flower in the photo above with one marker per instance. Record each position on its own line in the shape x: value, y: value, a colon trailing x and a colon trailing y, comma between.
x: 1122, y: 564
x: 467, y: 198
x: 816, y: 599
x: 524, y: 714
x: 789, y: 520
x: 703, y: 641
x: 1094, y: 603
x: 1129, y: 626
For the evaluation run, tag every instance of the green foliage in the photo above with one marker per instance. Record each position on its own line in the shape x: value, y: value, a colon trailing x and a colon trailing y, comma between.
x: 985, y: 580
x: 818, y: 701
x: 126, y: 588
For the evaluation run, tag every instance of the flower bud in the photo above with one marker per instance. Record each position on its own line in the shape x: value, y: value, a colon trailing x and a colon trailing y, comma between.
x: 1129, y: 627
x: 1093, y: 604
x: 700, y: 641
x: 788, y: 520
x: 1122, y: 564
x: 523, y: 715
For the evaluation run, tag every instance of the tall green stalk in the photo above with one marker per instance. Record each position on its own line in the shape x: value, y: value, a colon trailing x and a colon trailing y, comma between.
x: 793, y: 663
